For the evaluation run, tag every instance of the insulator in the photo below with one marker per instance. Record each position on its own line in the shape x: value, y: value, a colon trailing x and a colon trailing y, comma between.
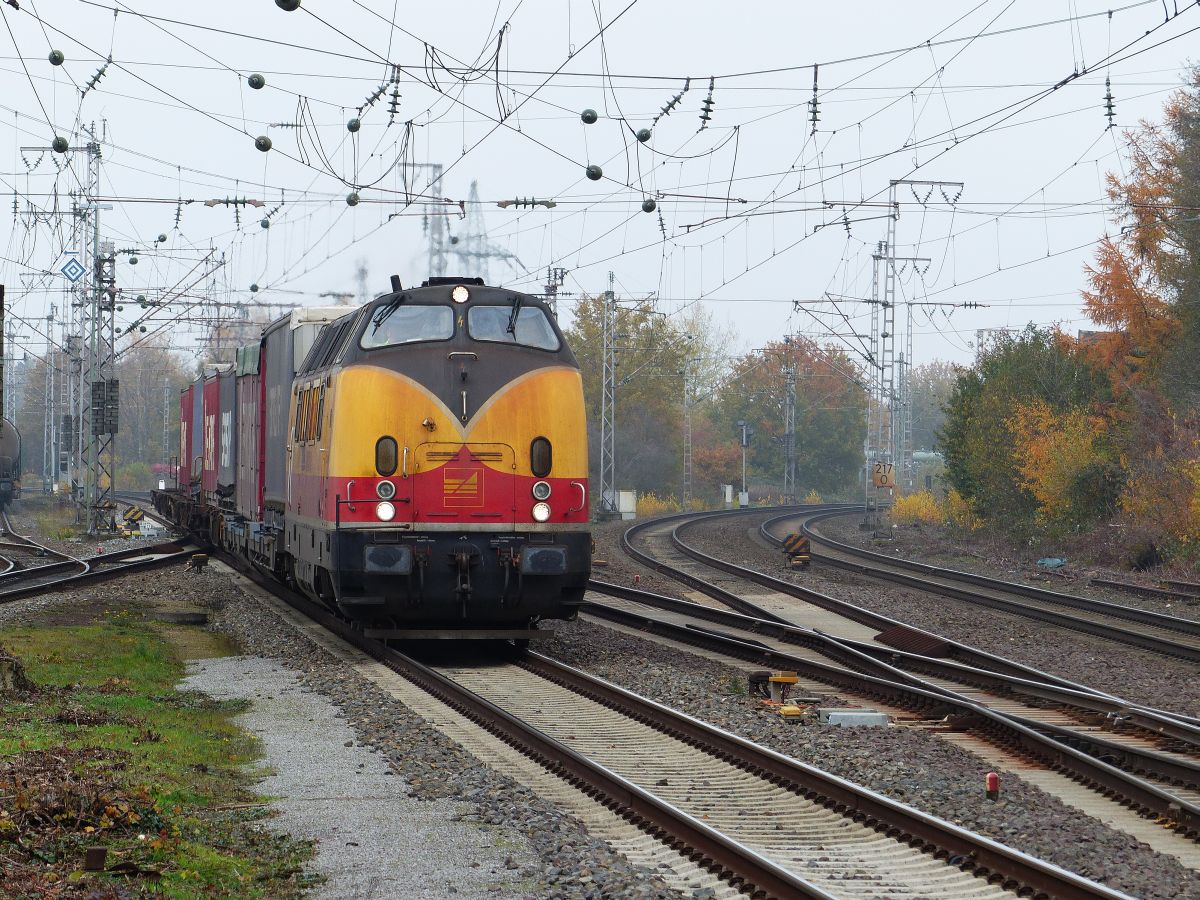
x: 594, y: 172
x: 288, y: 5
x: 643, y: 134
x: 263, y: 143
x: 59, y: 145
x: 352, y: 198
x: 589, y: 117
x: 57, y: 58
x: 353, y: 125
x: 648, y: 205
x: 265, y: 223
x: 256, y: 81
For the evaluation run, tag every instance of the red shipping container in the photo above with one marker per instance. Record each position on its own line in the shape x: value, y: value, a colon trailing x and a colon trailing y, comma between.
x: 212, y: 412
x: 250, y: 424
x: 185, y: 436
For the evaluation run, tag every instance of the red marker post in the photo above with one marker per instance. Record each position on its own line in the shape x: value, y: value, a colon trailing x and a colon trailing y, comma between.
x: 991, y: 783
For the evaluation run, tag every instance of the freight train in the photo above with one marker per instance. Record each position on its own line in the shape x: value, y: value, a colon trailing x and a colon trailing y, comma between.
x: 10, y: 463
x: 419, y: 464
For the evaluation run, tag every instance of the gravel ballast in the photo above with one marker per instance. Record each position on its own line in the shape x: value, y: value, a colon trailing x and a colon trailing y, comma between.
x: 907, y: 764
x: 553, y: 854
x: 1137, y: 675
x: 568, y: 859
x: 373, y: 840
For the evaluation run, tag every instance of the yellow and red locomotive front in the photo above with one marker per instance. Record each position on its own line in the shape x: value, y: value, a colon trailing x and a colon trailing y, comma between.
x: 437, y: 462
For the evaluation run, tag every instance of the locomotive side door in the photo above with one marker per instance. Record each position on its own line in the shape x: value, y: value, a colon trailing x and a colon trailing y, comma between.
x: 467, y: 484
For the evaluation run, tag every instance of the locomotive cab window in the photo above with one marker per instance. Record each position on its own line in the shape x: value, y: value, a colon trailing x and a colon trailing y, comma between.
x: 529, y: 327
x: 408, y: 324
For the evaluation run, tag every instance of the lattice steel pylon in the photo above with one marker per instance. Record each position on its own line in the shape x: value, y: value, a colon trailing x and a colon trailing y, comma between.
x: 688, y: 402
x: 103, y: 389
x: 608, y: 401
x: 472, y: 249
x: 902, y: 430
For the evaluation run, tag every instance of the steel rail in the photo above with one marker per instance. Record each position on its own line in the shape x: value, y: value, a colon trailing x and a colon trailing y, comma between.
x: 897, y: 664
x: 899, y: 688
x: 113, y: 565
x: 883, y: 813
x: 1158, y: 593
x: 1156, y: 721
x: 742, y: 866
x: 1049, y: 750
x: 710, y: 848
x: 962, y: 652
x: 1190, y: 652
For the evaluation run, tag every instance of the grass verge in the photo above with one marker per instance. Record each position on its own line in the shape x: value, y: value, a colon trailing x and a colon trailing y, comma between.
x: 106, y: 753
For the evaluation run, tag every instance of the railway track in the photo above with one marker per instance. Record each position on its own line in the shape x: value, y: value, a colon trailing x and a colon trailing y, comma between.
x: 757, y: 818
x: 66, y: 572
x: 1149, y: 761
x: 1170, y: 635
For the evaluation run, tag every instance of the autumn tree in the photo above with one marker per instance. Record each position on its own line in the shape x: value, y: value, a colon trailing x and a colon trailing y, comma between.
x: 830, y: 413
x: 983, y: 448
x: 651, y: 351
x: 1144, y: 286
x: 1066, y: 460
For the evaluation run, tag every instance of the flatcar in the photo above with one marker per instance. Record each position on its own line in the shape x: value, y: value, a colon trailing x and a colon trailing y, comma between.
x: 10, y: 463
x: 418, y: 464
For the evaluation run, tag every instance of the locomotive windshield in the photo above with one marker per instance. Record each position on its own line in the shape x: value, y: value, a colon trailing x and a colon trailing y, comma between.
x: 531, y: 328
x: 406, y: 324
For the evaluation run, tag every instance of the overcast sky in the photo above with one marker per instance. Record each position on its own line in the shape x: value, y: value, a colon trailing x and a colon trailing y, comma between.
x: 754, y: 212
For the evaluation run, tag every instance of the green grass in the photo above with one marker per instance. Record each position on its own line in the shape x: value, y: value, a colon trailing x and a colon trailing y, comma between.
x: 55, y: 521
x: 169, y: 769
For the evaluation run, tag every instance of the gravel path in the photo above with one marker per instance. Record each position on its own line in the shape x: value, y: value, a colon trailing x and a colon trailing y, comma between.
x: 1137, y: 675
x: 561, y: 854
x: 373, y: 840
x: 907, y: 764
x: 435, y: 768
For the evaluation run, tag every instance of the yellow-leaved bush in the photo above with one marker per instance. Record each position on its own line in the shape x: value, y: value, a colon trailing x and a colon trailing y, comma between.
x: 960, y: 513
x: 650, y: 504
x: 921, y: 508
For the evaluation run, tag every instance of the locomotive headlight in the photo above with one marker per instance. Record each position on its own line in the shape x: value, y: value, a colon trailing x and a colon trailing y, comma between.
x: 460, y: 294
x: 386, y: 511
x: 541, y: 490
x: 385, y: 490
x: 541, y: 512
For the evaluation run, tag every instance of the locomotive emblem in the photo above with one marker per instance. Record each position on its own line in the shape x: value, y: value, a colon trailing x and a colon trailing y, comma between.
x: 462, y: 487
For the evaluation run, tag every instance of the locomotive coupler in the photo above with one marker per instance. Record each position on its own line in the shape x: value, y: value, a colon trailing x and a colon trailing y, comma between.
x: 463, y: 559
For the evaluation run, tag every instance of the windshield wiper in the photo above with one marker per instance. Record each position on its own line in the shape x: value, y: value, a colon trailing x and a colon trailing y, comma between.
x: 385, y: 312
x: 512, y: 319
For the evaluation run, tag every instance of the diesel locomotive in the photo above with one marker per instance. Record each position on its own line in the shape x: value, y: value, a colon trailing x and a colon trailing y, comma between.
x: 418, y: 464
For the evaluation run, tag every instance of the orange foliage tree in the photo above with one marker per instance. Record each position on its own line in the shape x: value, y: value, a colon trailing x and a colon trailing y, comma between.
x: 1129, y: 281
x: 1065, y: 460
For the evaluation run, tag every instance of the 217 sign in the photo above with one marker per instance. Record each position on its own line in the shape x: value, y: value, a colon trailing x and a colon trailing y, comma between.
x: 883, y: 477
